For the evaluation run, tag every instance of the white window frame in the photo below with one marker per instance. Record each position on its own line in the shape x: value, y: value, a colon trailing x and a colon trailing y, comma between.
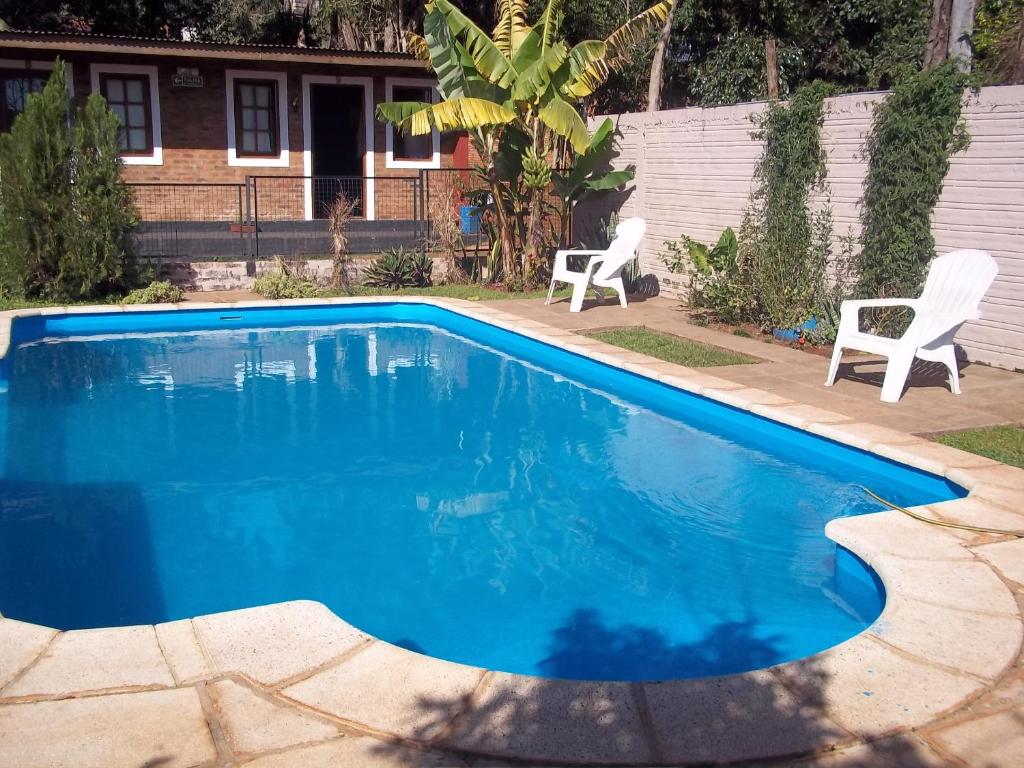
x: 95, y: 70
x: 390, y: 161
x: 42, y: 66
x: 307, y: 138
x: 281, y: 160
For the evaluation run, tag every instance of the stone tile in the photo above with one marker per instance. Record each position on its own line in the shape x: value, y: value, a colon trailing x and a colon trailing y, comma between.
x: 552, y: 720
x: 1007, y: 556
x: 990, y: 476
x: 975, y: 510
x: 182, y: 651
x: 806, y: 414
x: 861, y: 435
x: 965, y: 586
x: 391, y: 690
x: 254, y: 724
x: 869, y: 689
x: 274, y: 643
x: 1010, y: 498
x: 996, y: 741
x: 93, y: 660
x: 362, y: 751
x: 20, y: 645
x: 746, y: 397
x: 739, y: 717
x: 151, y: 728
x: 980, y: 645
x: 933, y: 457
x: 906, y: 750
x: 694, y: 381
x: 896, y: 534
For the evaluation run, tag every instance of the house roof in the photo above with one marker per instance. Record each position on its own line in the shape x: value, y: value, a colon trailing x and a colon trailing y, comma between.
x: 148, y: 46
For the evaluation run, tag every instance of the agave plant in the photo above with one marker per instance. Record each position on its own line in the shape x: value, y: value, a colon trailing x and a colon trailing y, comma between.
x: 515, y: 90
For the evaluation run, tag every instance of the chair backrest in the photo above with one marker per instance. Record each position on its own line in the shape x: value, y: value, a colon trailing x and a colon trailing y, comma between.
x: 628, y: 235
x: 955, y: 286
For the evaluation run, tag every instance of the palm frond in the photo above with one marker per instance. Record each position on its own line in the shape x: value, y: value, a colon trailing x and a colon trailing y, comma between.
x: 419, y: 118
x: 489, y: 60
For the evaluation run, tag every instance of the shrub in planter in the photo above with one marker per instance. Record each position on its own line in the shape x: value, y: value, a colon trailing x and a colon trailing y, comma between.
x: 157, y: 292
x: 66, y: 216
x: 399, y: 268
x: 281, y: 284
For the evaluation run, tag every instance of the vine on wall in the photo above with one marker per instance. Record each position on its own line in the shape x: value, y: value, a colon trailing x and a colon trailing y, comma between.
x: 785, y: 244
x: 915, y: 131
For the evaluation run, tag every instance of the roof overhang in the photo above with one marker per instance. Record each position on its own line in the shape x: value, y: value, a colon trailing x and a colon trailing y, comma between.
x: 57, y: 42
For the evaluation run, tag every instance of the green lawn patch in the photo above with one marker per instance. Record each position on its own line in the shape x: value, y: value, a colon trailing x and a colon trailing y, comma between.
x: 1005, y: 444
x: 669, y: 348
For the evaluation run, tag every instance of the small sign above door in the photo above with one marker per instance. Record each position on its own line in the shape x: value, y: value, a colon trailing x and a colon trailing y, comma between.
x: 187, y: 80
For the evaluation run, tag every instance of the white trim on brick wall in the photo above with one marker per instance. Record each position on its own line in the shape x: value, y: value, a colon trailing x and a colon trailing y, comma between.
x: 307, y: 137
x: 389, y: 160
x: 95, y: 70
x: 281, y: 160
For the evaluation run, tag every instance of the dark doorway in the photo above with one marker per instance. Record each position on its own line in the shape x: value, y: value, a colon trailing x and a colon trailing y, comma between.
x: 338, y: 146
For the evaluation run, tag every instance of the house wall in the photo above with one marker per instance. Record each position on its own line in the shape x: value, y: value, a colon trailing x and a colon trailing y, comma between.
x: 194, y: 134
x: 693, y: 176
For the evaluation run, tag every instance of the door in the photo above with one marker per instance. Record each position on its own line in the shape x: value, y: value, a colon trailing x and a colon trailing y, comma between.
x: 337, y: 146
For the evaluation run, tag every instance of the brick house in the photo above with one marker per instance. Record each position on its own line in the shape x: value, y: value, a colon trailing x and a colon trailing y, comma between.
x: 247, y: 135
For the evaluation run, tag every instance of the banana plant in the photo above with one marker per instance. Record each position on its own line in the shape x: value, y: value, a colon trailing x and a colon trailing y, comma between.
x: 518, y: 86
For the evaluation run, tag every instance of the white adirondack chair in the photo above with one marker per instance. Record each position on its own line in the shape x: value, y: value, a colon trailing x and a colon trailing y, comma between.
x: 955, y: 286
x: 604, y: 268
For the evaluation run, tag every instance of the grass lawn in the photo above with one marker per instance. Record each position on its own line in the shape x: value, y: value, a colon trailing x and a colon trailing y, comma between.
x: 670, y: 348
x: 1005, y: 444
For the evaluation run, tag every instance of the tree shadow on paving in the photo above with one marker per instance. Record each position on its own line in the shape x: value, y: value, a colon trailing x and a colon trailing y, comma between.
x: 710, y: 720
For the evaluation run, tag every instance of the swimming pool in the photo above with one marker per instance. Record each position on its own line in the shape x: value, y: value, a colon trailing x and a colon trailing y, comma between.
x: 440, y: 483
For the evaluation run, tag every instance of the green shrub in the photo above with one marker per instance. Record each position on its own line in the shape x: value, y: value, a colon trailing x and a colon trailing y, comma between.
x: 716, y: 283
x: 399, y: 268
x: 913, y: 134
x: 66, y: 216
x: 281, y: 284
x: 157, y: 292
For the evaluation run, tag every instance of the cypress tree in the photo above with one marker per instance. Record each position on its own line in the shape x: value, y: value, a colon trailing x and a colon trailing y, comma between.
x: 65, y: 214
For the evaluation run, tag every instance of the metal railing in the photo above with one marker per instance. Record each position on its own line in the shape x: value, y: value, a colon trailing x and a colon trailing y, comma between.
x: 288, y: 216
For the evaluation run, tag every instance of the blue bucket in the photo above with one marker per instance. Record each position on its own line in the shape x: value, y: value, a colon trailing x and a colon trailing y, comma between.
x: 469, y: 217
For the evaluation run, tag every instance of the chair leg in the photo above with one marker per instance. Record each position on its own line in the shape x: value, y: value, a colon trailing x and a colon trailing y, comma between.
x: 948, y: 359
x: 579, y: 291
x: 621, y: 290
x: 833, y: 368
x: 896, y: 372
x: 551, y: 291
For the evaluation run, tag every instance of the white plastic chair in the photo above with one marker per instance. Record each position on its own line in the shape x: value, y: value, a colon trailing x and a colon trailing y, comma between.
x: 955, y: 286
x: 604, y: 268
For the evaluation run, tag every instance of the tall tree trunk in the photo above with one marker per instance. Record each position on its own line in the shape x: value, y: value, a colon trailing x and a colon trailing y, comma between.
x: 937, y: 47
x: 658, y: 64
x: 961, y: 25
x: 772, y: 67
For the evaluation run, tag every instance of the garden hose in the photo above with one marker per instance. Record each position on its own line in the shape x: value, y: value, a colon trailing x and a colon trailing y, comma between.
x: 943, y: 523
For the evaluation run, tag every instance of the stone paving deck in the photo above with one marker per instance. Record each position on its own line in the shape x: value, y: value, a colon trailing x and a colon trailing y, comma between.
x: 937, y: 680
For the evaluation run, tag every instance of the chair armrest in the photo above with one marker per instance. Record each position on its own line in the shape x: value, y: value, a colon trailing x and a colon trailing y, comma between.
x: 580, y: 253
x: 561, y: 259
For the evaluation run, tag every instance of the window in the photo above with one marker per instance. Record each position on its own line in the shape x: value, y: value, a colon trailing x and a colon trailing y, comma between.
x: 128, y: 98
x: 16, y: 88
x: 404, y: 150
x: 406, y: 146
x: 132, y: 93
x: 256, y: 118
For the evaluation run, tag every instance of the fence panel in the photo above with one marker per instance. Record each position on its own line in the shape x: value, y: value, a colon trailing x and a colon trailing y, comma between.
x: 190, y: 222
x: 280, y: 205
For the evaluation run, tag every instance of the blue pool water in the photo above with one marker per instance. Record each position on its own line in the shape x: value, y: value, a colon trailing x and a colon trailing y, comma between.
x: 444, y: 485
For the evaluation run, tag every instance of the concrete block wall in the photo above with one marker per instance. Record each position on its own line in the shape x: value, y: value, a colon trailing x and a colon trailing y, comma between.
x: 694, y: 169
